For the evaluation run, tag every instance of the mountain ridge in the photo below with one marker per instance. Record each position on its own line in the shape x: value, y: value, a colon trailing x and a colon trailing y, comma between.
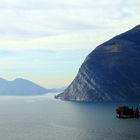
x: 20, y: 86
x: 110, y: 72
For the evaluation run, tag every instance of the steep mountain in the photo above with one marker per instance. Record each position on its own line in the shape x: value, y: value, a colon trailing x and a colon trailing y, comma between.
x: 20, y: 87
x: 111, y: 72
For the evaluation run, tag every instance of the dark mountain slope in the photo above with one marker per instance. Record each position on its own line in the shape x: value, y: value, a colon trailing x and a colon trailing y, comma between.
x: 111, y: 72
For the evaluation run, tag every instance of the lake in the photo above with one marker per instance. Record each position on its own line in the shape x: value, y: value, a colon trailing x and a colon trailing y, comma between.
x: 45, y: 118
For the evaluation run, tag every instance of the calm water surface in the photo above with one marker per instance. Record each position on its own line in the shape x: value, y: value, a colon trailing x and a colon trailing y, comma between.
x: 44, y: 118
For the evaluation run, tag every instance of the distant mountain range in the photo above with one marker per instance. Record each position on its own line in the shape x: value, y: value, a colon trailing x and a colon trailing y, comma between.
x: 22, y: 87
x: 57, y: 90
x: 111, y: 72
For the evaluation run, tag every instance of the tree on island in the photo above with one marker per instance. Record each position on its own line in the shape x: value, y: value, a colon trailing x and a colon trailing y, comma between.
x: 126, y: 112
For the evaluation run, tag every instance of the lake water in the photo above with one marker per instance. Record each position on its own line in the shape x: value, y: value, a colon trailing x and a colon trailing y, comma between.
x: 44, y: 118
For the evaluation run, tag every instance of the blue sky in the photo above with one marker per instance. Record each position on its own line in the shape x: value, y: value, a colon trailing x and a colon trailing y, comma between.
x: 46, y: 41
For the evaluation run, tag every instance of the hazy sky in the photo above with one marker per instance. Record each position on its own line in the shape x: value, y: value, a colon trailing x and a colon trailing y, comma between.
x: 47, y: 40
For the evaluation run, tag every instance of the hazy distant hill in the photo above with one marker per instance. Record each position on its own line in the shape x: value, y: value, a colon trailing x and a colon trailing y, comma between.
x: 20, y: 87
x: 57, y: 90
x: 110, y: 73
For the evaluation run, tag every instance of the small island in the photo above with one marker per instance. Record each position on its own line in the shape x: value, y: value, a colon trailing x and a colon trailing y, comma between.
x: 125, y: 112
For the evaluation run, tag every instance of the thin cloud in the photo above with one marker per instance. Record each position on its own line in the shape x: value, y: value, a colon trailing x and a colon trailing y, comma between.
x: 56, y: 35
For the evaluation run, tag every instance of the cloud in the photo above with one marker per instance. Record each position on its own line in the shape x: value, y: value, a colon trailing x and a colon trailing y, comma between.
x: 56, y: 35
x: 22, y: 18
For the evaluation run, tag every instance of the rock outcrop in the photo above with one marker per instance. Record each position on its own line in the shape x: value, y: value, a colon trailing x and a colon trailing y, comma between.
x: 111, y: 72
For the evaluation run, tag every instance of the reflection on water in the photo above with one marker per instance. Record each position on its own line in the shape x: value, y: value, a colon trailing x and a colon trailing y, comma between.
x: 44, y: 118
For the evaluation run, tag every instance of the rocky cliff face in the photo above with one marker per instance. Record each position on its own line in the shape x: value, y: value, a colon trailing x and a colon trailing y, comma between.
x: 110, y: 73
